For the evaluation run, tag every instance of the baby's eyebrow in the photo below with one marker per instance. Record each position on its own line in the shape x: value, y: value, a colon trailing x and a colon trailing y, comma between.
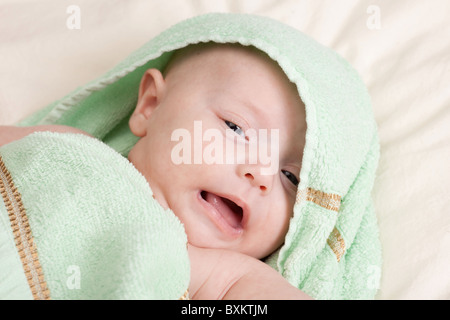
x: 242, y: 101
x: 255, y: 111
x: 250, y: 105
x: 294, y: 155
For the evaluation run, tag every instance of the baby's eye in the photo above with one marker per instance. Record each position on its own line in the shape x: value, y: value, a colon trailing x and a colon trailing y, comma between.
x: 235, y: 128
x: 292, y: 178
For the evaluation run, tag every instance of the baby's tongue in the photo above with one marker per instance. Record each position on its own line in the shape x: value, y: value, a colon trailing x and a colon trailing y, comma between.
x: 224, y: 207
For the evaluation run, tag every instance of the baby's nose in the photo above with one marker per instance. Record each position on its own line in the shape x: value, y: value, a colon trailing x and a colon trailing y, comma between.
x: 252, y: 173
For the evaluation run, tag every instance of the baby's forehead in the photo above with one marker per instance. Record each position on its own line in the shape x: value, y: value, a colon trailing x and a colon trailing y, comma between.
x: 201, y: 54
x: 228, y: 61
x: 220, y: 61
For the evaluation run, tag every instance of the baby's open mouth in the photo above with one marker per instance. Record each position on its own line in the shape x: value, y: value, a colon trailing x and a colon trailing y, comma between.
x: 229, y: 210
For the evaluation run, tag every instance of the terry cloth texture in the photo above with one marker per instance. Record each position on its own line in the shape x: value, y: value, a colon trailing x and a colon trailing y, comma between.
x: 78, y: 221
x: 332, y: 249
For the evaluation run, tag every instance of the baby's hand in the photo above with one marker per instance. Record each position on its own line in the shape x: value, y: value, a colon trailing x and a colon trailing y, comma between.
x: 224, y: 274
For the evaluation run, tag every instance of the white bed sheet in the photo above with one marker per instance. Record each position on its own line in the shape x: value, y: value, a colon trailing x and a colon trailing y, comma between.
x: 401, y: 48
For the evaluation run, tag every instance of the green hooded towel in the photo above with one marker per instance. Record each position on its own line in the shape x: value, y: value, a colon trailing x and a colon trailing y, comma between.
x: 332, y: 249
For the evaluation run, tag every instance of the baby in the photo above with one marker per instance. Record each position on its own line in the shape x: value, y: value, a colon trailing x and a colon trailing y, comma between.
x: 234, y: 213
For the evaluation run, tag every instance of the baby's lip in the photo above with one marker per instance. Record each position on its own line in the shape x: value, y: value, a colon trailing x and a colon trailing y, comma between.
x: 227, y: 211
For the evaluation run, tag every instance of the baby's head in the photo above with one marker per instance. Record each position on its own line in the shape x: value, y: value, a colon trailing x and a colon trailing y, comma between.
x: 199, y: 123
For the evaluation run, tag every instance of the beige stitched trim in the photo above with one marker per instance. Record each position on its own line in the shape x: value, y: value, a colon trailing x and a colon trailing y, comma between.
x: 22, y: 235
x: 331, y: 202
x: 336, y: 243
x: 326, y: 200
x: 185, y: 295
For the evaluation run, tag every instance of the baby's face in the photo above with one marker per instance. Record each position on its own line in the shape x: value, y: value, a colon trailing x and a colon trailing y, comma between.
x: 189, y: 121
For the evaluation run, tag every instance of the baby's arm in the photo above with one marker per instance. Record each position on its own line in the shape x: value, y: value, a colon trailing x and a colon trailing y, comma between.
x: 11, y: 133
x: 261, y: 282
x: 223, y: 274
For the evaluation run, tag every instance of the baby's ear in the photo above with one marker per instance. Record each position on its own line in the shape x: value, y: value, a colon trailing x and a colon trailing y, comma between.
x: 151, y: 93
